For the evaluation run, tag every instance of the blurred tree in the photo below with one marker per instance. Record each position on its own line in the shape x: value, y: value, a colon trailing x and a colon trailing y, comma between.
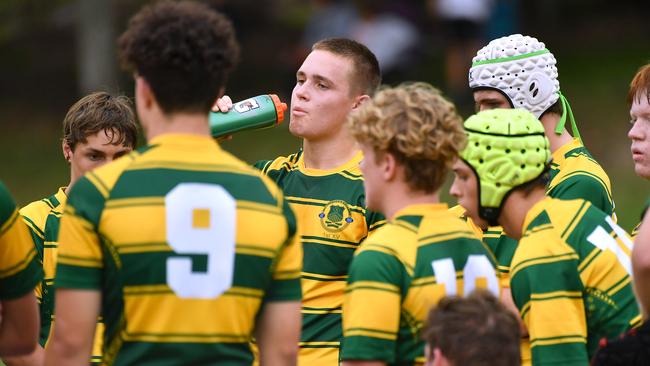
x: 96, y: 50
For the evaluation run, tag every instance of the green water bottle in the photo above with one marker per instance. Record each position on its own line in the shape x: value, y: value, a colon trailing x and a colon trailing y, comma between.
x: 253, y: 113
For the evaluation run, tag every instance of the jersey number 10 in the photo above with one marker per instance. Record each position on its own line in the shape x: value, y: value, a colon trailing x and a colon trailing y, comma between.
x: 477, y: 267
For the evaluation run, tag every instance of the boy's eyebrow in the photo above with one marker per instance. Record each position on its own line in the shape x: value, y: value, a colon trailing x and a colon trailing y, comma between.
x: 91, y: 150
x: 318, y: 77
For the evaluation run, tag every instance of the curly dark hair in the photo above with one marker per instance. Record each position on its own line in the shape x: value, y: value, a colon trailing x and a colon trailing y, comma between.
x: 185, y: 51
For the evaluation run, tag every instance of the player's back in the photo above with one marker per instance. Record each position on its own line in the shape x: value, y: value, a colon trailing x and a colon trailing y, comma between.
x: 420, y: 256
x: 451, y: 260
x: 571, y: 278
x: 193, y: 242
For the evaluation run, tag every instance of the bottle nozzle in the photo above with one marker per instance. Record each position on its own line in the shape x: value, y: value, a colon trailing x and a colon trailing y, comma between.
x: 279, y: 108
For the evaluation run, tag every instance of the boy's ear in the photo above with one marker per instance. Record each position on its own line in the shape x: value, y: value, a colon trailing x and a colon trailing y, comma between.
x: 67, y: 151
x: 360, y: 100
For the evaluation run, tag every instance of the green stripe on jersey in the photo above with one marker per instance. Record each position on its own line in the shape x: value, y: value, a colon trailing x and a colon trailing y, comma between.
x: 560, y: 354
x: 325, y: 259
x: 161, y: 181
x: 321, y: 327
x: 87, y: 200
x: 156, y: 354
x: 150, y: 268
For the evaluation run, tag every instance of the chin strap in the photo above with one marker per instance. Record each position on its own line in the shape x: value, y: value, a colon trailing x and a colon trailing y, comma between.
x: 566, y: 111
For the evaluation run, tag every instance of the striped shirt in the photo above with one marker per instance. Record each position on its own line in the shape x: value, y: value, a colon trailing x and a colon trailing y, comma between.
x: 186, y: 244
x: 43, y: 218
x: 571, y: 280
x: 333, y: 220
x: 19, y: 268
x: 403, y: 269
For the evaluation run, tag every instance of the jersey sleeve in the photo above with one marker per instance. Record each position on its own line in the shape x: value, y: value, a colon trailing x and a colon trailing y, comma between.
x: 585, y: 187
x: 285, y: 284
x: 20, y: 271
x: 548, y: 293
x: 371, y: 307
x: 262, y: 165
x: 79, y: 263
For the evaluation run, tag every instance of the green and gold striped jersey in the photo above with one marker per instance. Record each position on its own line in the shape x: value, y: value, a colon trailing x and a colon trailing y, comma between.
x: 571, y: 280
x: 43, y: 218
x: 333, y: 220
x: 576, y: 175
x: 186, y: 244
x: 403, y: 269
x: 19, y: 268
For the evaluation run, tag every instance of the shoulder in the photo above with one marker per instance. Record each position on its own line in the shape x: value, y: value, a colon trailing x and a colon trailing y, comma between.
x: 287, y: 163
x: 446, y: 226
x: 395, y: 239
x: 35, y: 214
x: 581, y: 168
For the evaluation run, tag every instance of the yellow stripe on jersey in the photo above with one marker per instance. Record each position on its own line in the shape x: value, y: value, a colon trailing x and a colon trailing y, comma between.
x: 573, y: 221
x: 561, y: 340
x: 541, y: 260
x: 150, y: 237
x: 350, y: 177
x: 233, y: 323
x: 556, y: 316
x: 319, y: 294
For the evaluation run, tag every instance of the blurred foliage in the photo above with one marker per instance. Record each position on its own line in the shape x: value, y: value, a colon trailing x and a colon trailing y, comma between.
x: 599, y: 46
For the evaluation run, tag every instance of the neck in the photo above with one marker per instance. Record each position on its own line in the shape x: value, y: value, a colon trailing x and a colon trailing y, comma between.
x: 330, y: 153
x: 178, y: 123
x: 67, y: 189
x: 515, y: 208
x: 550, y: 121
x: 401, y: 197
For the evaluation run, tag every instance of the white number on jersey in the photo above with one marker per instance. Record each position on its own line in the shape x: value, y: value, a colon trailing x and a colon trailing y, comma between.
x: 200, y: 219
x: 602, y: 240
x: 477, y: 267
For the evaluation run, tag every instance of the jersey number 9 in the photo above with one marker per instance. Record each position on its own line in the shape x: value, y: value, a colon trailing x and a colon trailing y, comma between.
x: 200, y: 220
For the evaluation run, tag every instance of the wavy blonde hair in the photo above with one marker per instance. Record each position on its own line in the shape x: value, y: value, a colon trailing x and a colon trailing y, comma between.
x: 418, y: 126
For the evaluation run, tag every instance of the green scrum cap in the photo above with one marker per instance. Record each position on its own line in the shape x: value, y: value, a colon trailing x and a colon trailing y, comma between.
x: 506, y: 148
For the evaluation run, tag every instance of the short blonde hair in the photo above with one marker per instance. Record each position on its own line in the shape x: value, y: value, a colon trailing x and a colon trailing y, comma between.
x: 418, y: 126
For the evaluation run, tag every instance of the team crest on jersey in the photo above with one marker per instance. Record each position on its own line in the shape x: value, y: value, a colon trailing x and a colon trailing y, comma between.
x: 336, y: 216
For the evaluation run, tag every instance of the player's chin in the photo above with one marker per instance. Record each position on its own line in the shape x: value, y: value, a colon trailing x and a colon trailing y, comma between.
x: 297, y: 127
x: 642, y: 169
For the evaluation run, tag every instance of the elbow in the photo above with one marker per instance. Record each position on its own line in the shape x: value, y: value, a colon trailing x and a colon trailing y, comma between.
x: 288, y: 352
x: 641, y: 261
x: 285, y: 354
x: 18, y: 347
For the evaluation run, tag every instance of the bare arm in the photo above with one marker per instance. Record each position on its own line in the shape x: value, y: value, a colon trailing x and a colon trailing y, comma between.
x: 35, y: 358
x: 641, y: 266
x: 19, y: 326
x: 278, y: 333
x: 76, y: 318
